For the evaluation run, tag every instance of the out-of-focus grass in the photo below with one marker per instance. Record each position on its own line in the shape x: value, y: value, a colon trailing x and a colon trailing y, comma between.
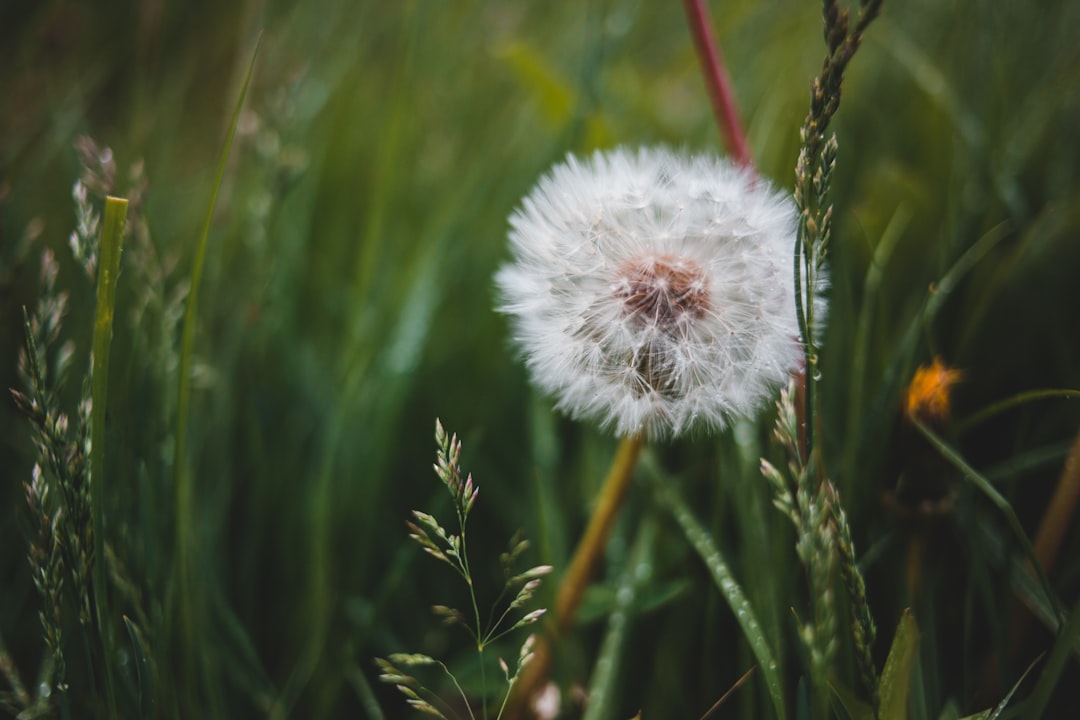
x: 347, y: 302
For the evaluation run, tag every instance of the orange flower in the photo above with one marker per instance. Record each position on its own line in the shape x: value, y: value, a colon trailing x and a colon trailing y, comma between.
x: 927, y: 396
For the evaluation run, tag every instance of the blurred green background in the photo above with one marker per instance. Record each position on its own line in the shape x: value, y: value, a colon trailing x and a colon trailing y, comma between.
x: 347, y: 302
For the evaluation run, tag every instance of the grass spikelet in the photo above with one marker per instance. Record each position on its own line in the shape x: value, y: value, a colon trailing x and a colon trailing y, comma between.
x: 451, y: 549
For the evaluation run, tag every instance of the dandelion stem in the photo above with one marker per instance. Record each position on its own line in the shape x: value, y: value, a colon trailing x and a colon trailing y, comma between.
x: 718, y: 82
x: 580, y: 570
x: 594, y: 541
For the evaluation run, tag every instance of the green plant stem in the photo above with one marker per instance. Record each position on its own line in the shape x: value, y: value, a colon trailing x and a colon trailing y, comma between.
x: 812, y: 184
x: 461, y: 691
x: 804, y: 403
x: 181, y: 480
x: 112, y: 238
x: 481, y: 639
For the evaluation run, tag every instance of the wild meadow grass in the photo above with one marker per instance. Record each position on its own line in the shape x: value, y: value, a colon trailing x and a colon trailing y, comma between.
x: 221, y: 416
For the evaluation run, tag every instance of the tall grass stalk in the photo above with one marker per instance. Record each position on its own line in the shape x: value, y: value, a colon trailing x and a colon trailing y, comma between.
x: 813, y: 175
x: 112, y: 238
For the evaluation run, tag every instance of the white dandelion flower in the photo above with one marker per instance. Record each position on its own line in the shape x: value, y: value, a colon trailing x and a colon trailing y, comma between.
x: 653, y: 291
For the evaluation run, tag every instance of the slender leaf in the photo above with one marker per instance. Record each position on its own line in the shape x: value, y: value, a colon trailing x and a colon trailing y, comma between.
x: 144, y: 677
x: 896, y: 676
x: 733, y: 593
x: 181, y: 480
x: 1055, y: 665
x: 998, y: 500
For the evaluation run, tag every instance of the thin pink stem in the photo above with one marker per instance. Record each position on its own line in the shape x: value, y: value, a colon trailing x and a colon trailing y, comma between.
x: 717, y: 82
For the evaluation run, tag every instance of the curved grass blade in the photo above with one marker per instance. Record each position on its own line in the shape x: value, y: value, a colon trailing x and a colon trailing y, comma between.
x: 995, y: 712
x: 999, y: 501
x: 191, y: 311
x: 1010, y: 402
x: 733, y: 593
x: 181, y: 481
x: 853, y: 707
x: 875, y: 272
x: 1055, y: 664
x: 144, y: 679
x: 354, y: 676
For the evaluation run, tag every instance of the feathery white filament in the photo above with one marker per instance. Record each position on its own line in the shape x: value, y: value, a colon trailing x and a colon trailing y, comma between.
x: 653, y: 291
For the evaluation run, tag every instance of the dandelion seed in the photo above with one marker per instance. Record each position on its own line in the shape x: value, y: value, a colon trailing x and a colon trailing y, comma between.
x: 548, y: 702
x: 653, y: 291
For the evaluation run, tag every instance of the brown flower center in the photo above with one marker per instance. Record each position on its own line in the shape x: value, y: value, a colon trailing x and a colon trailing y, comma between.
x: 662, y: 291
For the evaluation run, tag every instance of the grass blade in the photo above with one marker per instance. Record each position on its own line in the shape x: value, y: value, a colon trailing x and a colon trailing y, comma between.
x: 143, y: 670
x: 733, y: 593
x: 1013, y: 401
x: 1055, y: 664
x: 600, y: 705
x: 999, y: 501
x: 896, y: 676
x: 181, y: 481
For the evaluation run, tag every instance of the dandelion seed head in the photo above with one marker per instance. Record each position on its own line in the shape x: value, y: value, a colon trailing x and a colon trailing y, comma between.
x: 653, y: 291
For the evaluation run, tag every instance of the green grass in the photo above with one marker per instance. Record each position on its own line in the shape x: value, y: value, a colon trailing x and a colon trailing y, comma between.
x: 346, y: 301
